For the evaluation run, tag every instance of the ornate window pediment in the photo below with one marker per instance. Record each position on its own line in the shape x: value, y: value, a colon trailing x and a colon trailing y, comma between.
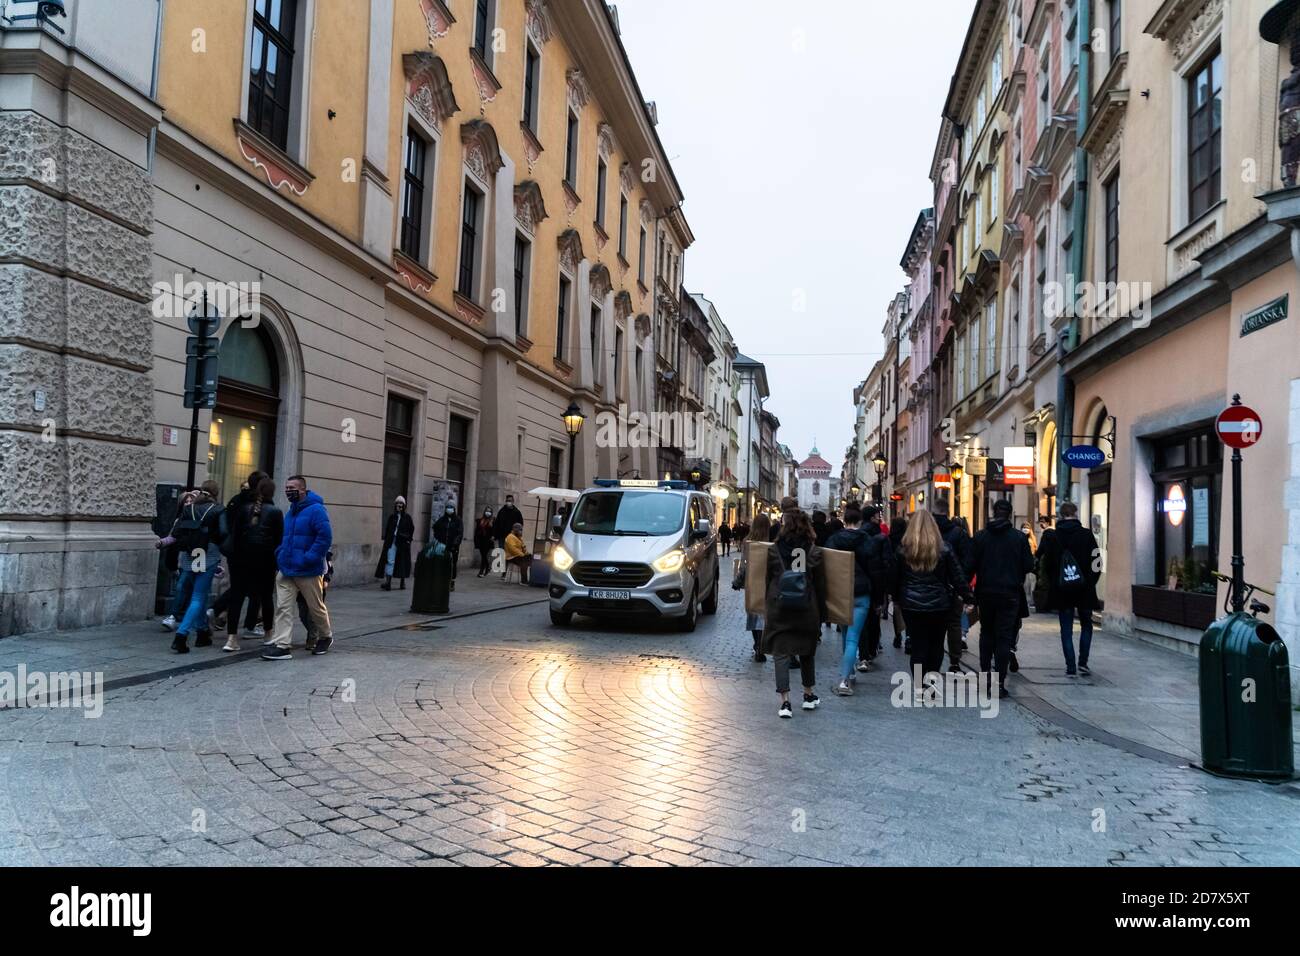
x: 622, y: 305
x: 529, y: 207
x: 605, y: 143
x: 438, y: 18
x: 482, y: 153
x: 429, y: 88
x: 538, y: 20
x: 579, y: 91
x: 570, y: 244
x: 601, y: 284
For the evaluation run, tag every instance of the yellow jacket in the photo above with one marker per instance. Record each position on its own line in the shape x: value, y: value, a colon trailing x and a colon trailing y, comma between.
x: 514, y: 547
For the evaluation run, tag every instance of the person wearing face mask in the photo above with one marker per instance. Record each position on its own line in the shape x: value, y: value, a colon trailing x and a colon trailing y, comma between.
x: 301, y: 562
x: 484, y: 543
x: 450, y: 531
x: 395, y: 557
x: 507, y: 518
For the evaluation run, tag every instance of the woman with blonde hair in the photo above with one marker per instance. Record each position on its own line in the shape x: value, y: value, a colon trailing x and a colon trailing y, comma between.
x: 927, y: 582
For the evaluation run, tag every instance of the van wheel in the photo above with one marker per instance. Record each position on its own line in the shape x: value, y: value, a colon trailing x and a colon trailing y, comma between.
x: 711, y: 602
x: 561, y: 618
x: 686, y: 623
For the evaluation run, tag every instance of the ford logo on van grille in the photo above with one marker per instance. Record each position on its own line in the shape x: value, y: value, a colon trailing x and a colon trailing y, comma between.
x: 609, y: 570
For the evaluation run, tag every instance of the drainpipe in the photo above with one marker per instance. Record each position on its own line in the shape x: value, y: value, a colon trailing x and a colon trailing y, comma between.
x: 1079, y: 222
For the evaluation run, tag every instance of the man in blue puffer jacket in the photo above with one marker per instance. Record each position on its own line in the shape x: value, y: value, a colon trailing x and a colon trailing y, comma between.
x: 301, y: 563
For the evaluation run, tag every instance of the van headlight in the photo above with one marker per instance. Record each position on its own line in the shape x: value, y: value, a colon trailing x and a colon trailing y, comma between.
x: 561, y: 560
x: 670, y: 562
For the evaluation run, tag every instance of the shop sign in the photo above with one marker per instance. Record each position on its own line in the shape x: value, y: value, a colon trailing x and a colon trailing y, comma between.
x: 1085, y: 457
x: 977, y: 467
x: 1018, y: 465
x: 1276, y: 311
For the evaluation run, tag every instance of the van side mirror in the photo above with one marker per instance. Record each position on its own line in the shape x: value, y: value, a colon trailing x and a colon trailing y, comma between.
x: 702, y: 528
x: 557, y: 523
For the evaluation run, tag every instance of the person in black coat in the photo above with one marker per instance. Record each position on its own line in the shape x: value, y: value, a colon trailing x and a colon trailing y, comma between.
x: 507, y: 518
x: 219, y: 607
x: 820, y: 529
x: 955, y: 536
x: 897, y: 528
x: 1072, y: 583
x: 883, y: 552
x: 795, y: 632
x: 1000, y: 559
x: 451, y: 531
x: 395, y: 555
x: 928, y: 582
x: 872, y: 573
x: 256, y: 528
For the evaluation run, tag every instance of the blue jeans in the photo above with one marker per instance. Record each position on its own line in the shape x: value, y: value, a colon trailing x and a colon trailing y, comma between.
x: 851, y: 637
x: 1067, y: 635
x: 184, y: 589
x: 201, y: 588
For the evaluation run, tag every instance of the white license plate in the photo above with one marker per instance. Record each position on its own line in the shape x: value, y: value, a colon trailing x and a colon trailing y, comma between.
x: 612, y: 595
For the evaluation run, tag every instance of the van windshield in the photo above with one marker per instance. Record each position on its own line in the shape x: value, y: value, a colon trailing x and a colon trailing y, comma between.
x: 639, y: 513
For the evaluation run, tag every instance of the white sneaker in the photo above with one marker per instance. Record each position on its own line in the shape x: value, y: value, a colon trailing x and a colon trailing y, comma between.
x: 232, y: 644
x: 258, y: 631
x: 169, y: 622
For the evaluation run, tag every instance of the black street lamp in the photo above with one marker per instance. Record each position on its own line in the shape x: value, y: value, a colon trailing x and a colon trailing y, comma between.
x: 573, y: 419
x: 881, y: 464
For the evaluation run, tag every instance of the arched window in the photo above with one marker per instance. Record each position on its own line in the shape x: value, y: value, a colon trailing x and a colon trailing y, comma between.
x: 242, y: 436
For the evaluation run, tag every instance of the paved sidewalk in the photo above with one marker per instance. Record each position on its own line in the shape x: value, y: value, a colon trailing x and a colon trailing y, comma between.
x: 132, y: 653
x: 1140, y: 692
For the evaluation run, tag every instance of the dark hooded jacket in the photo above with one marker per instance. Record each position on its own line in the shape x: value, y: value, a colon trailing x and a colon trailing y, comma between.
x: 957, y: 539
x: 1071, y: 535
x: 1000, y: 559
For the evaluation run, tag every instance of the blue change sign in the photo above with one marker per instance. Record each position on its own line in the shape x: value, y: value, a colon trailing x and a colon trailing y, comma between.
x: 1086, y: 457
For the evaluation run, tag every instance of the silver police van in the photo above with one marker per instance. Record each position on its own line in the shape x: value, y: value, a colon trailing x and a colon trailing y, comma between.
x: 637, y: 549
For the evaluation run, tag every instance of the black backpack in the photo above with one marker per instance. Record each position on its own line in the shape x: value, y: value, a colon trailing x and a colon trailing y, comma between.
x: 1069, y: 579
x: 191, y: 532
x: 794, y: 590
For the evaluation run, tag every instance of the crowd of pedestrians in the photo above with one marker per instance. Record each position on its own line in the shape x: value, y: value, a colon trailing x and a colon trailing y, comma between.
x: 277, y: 561
x: 932, y: 574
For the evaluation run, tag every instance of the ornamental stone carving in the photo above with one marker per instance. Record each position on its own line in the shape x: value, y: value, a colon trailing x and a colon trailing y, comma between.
x: 539, y: 21
x: 437, y: 17
x: 482, y: 154
x: 1197, y: 28
x: 429, y: 88
x: 605, y: 144
x: 529, y: 207
x: 601, y: 285
x: 570, y: 244
x: 579, y: 91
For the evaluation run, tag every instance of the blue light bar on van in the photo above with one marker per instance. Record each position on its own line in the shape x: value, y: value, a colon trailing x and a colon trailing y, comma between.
x: 640, y: 483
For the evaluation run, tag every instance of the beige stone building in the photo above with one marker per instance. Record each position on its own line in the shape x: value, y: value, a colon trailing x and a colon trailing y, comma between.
x: 449, y: 220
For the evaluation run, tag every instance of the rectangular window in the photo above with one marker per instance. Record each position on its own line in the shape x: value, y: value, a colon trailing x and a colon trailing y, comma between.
x: 975, y: 352
x: 1071, y: 17
x: 597, y: 360
x: 1039, y: 319
x: 413, y: 195
x: 1116, y: 35
x: 399, y: 433
x: 523, y: 265
x: 961, y: 367
x: 531, y: 64
x: 640, y: 258
x: 562, y: 318
x: 1013, y: 336
x: 993, y: 196
x: 458, y: 431
x: 467, y: 281
x: 1204, y: 131
x: 618, y: 362
x: 482, y: 27
x: 1045, y: 92
x: 1112, y: 229
x: 602, y: 174
x: 997, y: 70
x: 622, y: 227
x: 990, y: 338
x: 270, y: 81
x: 636, y: 372
x: 571, y: 152
x: 1188, y: 480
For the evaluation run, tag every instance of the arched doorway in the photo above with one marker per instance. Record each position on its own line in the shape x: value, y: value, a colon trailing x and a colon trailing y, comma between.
x: 242, y: 437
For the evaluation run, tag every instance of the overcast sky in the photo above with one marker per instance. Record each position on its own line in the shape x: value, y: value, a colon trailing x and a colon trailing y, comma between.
x: 802, y: 136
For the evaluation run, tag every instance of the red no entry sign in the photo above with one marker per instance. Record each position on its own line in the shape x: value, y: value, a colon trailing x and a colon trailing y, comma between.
x: 1239, y: 426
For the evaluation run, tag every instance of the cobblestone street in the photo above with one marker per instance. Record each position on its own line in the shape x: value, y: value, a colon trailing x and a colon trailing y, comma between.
x: 499, y: 739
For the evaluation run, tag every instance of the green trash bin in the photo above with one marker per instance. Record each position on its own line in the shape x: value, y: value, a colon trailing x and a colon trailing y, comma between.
x: 1245, y: 700
x: 431, y: 585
